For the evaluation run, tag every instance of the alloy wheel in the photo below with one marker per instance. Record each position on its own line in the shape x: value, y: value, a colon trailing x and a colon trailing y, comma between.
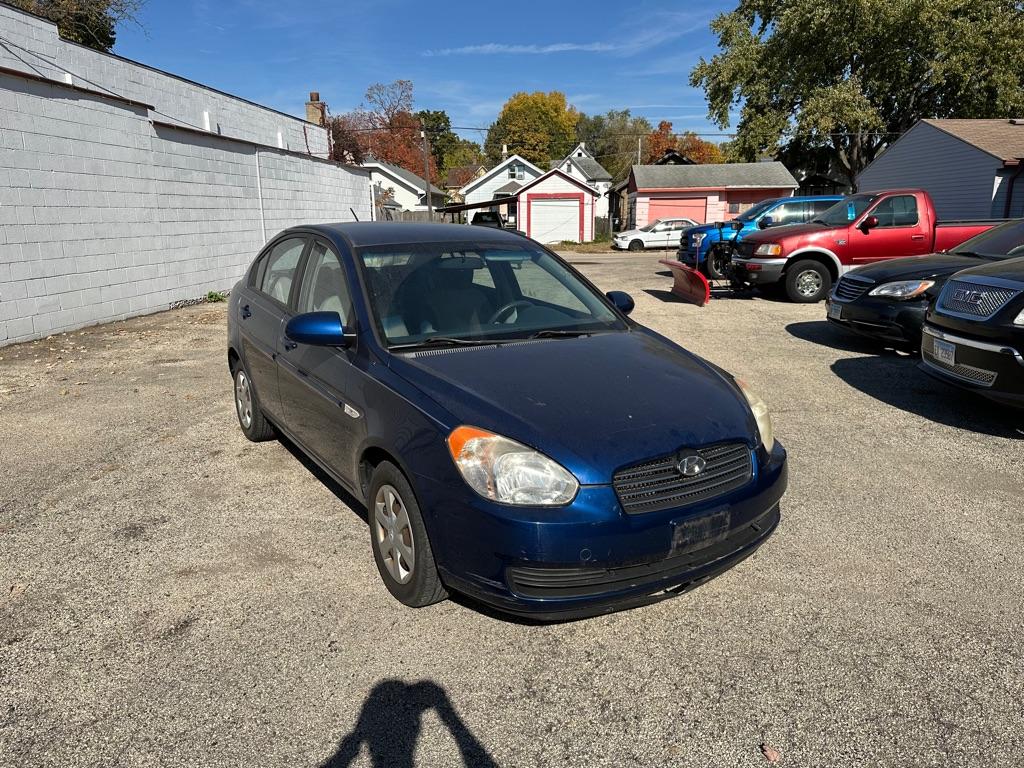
x: 392, y: 533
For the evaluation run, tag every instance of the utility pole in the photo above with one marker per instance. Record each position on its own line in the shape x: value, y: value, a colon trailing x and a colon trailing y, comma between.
x: 426, y: 175
x: 638, y: 140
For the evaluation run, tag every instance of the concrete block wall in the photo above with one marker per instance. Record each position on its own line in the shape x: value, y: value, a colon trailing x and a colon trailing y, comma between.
x: 105, y: 213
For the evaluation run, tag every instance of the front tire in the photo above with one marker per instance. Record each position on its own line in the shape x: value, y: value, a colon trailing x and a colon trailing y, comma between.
x: 254, y: 424
x: 714, y: 263
x: 399, y: 540
x: 808, y: 282
x: 636, y: 245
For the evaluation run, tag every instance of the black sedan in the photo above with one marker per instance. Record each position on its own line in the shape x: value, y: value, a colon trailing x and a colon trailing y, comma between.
x: 888, y: 300
x: 974, y: 334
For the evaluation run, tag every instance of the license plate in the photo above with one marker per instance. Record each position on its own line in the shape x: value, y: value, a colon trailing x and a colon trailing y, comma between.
x: 944, y: 352
x: 835, y: 311
x: 700, y: 532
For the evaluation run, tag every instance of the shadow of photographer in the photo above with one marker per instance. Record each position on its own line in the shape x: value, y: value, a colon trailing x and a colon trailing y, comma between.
x: 389, y: 725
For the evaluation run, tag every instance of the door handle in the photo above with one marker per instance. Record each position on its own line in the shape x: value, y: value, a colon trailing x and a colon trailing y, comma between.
x: 246, y: 312
x: 289, y: 345
x: 917, y: 237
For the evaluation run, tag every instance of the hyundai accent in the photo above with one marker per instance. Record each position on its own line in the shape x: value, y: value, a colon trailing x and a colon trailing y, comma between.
x: 514, y: 435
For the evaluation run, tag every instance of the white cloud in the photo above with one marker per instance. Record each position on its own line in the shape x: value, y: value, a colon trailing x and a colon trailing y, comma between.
x: 516, y: 49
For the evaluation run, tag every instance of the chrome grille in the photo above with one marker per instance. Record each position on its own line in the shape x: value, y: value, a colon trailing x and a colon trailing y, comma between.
x: 850, y: 288
x: 968, y: 373
x: 973, y: 299
x: 657, y: 484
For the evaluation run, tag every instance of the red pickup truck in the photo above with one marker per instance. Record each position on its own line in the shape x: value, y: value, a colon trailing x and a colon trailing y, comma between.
x: 862, y: 228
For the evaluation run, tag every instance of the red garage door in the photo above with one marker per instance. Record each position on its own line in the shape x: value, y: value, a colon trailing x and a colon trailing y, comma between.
x: 692, y: 208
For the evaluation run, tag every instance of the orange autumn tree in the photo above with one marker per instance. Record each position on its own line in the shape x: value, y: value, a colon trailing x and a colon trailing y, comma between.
x: 662, y: 139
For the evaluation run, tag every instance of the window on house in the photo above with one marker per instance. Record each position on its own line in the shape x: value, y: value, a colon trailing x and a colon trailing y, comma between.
x: 515, y: 171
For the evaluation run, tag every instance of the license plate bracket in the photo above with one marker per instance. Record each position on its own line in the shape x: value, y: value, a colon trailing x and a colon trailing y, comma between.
x: 944, y: 351
x: 835, y: 311
x: 700, y: 532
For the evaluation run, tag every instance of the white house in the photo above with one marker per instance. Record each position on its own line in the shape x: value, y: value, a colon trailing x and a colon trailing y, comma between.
x: 971, y: 168
x: 503, y: 180
x: 581, y: 164
x: 556, y: 207
x: 409, y: 191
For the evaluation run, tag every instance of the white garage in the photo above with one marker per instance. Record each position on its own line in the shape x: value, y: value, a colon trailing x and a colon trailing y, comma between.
x: 556, y: 207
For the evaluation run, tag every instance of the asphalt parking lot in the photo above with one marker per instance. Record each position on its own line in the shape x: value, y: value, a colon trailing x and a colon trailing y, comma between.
x: 171, y: 594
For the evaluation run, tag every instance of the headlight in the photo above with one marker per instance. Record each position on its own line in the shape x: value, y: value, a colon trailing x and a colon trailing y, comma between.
x: 902, y: 290
x: 768, y: 249
x: 1019, y: 319
x: 761, y: 415
x: 503, y: 470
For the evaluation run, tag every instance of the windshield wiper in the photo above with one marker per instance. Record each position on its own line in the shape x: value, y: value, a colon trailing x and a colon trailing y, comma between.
x: 447, y: 341
x: 559, y: 333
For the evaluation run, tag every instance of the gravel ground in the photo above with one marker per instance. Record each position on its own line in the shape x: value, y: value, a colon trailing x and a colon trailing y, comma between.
x: 173, y: 595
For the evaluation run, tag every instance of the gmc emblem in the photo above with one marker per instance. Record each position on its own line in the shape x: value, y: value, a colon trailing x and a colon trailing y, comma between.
x: 968, y: 297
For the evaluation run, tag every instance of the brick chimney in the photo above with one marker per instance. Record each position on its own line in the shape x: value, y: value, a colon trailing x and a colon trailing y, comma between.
x: 504, y: 151
x: 316, y: 110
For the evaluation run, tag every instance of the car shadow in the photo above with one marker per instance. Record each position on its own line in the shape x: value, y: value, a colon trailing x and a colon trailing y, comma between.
x: 825, y: 334
x: 900, y: 383
x: 342, y: 493
x: 389, y: 726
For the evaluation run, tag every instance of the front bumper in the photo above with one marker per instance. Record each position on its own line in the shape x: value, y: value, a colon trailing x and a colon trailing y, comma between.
x: 757, y: 271
x: 990, y: 369
x: 590, y: 557
x: 896, y: 322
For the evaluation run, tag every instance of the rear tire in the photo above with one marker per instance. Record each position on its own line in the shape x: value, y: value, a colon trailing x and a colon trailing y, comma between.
x: 636, y: 245
x: 714, y: 263
x: 808, y: 282
x: 254, y: 424
x: 399, y: 540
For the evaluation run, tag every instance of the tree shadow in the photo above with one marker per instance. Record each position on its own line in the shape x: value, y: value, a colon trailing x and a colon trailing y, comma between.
x: 899, y: 383
x: 389, y: 725
x: 823, y: 333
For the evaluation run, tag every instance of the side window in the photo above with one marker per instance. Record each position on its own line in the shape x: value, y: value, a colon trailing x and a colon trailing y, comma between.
x: 279, y: 273
x: 787, y: 213
x: 324, y: 287
x: 897, y: 211
x: 820, y: 206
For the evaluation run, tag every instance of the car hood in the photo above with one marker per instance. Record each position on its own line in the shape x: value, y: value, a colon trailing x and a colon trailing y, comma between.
x: 593, y: 404
x: 917, y: 267
x: 775, y: 234
x: 631, y: 233
x: 1005, y: 269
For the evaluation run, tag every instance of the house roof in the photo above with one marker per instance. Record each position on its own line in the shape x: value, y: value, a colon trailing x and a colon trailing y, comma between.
x: 592, y: 169
x: 998, y: 137
x: 714, y: 176
x: 461, y: 174
x: 498, y: 169
x: 508, y: 189
x: 398, y: 172
x: 673, y: 156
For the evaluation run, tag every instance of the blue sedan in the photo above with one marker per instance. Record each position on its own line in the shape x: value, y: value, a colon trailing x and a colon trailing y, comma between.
x: 514, y: 435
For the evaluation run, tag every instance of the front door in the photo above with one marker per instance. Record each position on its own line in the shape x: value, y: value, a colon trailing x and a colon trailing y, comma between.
x: 317, y: 382
x: 899, y: 232
x: 262, y: 310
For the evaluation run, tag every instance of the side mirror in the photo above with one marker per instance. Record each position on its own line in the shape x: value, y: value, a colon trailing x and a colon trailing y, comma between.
x: 321, y: 329
x: 869, y: 223
x: 736, y: 224
x: 764, y: 222
x: 622, y: 301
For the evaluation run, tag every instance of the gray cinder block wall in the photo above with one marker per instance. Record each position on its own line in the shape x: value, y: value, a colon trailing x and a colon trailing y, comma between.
x: 115, y: 198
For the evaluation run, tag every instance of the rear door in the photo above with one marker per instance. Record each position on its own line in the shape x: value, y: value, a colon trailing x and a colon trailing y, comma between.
x: 261, y: 316
x: 316, y: 382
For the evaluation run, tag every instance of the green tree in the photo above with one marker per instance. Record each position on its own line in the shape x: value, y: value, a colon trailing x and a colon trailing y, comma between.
x: 463, y: 153
x: 92, y: 23
x: 438, y: 126
x: 612, y: 138
x: 538, y: 126
x: 851, y: 75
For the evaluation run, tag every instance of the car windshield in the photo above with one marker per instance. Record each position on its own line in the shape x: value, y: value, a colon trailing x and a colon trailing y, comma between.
x: 846, y: 211
x: 476, y: 292
x: 650, y: 227
x: 1003, y: 242
x: 752, y: 213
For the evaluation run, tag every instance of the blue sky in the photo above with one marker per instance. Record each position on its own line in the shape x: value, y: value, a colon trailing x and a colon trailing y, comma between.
x: 464, y: 58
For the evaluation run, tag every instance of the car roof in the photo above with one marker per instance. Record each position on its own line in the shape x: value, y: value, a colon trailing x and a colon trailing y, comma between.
x: 363, y: 233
